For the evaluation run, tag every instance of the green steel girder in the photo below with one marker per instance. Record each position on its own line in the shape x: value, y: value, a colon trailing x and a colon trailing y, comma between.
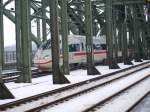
x: 98, y: 16
x: 127, y: 2
x: 58, y: 76
x: 136, y: 26
x: 109, y: 35
x: 64, y: 32
x: 12, y: 18
x: 145, y: 33
x: 44, y: 33
x: 77, y: 19
x: 4, y: 92
x: 1, y: 36
x: 121, y: 2
x: 7, y: 2
x: 100, y: 19
x: 26, y: 75
x: 91, y: 70
x: 18, y: 36
x: 114, y: 2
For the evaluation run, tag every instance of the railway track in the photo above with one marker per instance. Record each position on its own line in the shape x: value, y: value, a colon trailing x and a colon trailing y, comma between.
x: 71, y: 92
x: 128, y: 98
x: 12, y: 76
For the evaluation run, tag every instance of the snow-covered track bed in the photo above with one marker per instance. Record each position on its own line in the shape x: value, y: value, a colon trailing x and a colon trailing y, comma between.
x: 10, y: 75
x: 125, y: 100
x: 71, y: 92
x: 13, y: 76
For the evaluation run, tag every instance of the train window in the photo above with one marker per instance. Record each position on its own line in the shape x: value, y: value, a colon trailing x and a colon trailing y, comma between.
x: 103, y: 46
x: 46, y: 45
x: 97, y: 47
x: 74, y: 47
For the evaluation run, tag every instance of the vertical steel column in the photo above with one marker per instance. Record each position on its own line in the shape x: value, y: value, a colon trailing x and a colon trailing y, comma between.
x: 25, y: 41
x: 148, y: 36
x: 91, y: 70
x: 4, y: 92
x: 125, y: 45
x: 136, y: 34
x: 144, y: 29
x: 1, y: 36
x: 124, y: 41
x: 38, y: 29
x: 58, y: 77
x: 119, y: 36
x: 115, y: 36
x: 94, y: 28
x: 18, y: 36
x: 130, y: 26
x: 145, y: 55
x: 131, y: 48
x: 44, y: 35
x: 64, y: 31
x: 109, y: 33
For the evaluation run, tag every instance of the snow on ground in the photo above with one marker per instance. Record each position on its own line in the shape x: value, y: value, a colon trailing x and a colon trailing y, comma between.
x: 43, y: 84
x: 143, y: 106
x: 124, y: 101
x: 104, y: 92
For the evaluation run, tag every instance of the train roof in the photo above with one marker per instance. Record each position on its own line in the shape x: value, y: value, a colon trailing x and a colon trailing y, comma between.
x: 75, y: 39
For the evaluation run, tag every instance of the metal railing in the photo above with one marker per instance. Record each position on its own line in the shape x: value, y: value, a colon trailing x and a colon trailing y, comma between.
x: 10, y: 56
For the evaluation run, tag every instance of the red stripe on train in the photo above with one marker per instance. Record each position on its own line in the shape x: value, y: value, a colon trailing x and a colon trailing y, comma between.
x: 84, y: 53
x: 75, y: 54
x: 42, y: 62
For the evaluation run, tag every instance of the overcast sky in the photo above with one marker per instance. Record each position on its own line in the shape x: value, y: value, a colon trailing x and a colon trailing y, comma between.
x: 9, y: 32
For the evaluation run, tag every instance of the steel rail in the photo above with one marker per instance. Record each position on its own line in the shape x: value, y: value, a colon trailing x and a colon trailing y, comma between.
x: 57, y: 102
x: 29, y: 99
x: 97, y: 105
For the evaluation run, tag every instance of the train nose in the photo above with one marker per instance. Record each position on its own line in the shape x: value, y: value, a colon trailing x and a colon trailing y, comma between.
x: 37, y: 55
x: 46, y: 57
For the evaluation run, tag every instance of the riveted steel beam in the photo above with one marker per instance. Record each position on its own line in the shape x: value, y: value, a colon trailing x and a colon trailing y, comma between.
x: 18, y: 36
x: 44, y: 34
x: 91, y: 70
x: 4, y: 92
x: 109, y: 35
x: 1, y: 36
x: 12, y: 18
x: 25, y: 42
x: 64, y: 31
x: 136, y: 34
x: 124, y: 40
x: 58, y: 76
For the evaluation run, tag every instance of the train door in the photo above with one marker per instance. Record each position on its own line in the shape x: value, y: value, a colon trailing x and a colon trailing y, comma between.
x: 83, y: 53
x: 99, y: 52
x: 74, y: 52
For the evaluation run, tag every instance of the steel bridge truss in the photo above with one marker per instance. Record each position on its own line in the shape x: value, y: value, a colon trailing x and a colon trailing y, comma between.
x: 125, y: 23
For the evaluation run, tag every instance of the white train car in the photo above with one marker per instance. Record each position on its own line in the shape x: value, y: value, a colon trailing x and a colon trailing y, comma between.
x: 77, y: 52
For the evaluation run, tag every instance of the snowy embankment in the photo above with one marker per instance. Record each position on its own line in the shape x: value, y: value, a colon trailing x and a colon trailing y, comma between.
x: 43, y: 84
x: 121, y: 104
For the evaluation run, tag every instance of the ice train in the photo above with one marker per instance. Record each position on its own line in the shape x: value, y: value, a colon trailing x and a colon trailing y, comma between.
x: 77, y: 52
